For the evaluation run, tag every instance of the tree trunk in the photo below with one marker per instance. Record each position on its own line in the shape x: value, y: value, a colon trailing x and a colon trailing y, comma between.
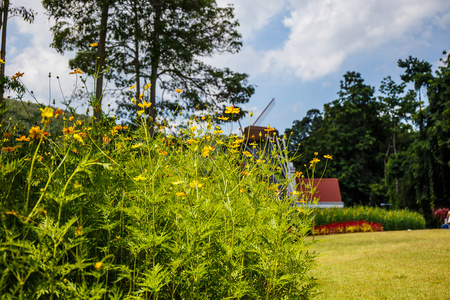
x: 155, y: 63
x: 3, y: 22
x: 137, y: 64
x: 101, y: 56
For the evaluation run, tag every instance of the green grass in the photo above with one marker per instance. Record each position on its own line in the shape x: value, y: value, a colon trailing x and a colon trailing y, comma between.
x: 384, y: 265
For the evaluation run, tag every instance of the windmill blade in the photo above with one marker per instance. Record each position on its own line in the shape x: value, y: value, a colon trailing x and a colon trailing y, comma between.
x: 265, y: 112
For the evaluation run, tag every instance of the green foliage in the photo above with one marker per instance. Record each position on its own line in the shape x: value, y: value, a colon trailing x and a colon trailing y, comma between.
x: 154, y: 42
x: 119, y: 214
x: 351, y: 132
x: 388, y: 148
x: 389, y: 219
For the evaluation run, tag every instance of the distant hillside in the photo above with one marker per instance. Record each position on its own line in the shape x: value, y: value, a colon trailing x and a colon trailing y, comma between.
x: 27, y: 114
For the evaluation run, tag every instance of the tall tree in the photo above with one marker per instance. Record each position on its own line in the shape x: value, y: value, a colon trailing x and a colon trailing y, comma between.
x: 352, y: 131
x: 27, y: 15
x: 438, y: 132
x: 164, y: 44
x: 397, y: 108
x: 83, y: 25
x: 161, y: 43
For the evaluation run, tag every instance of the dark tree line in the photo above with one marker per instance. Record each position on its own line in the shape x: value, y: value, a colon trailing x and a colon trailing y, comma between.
x: 387, y: 148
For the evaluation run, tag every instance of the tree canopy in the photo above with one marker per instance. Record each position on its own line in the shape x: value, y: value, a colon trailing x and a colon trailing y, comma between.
x: 158, y: 44
x: 386, y: 148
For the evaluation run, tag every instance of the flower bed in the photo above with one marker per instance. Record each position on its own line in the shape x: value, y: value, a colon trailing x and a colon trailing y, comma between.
x: 347, y: 227
x: 390, y: 219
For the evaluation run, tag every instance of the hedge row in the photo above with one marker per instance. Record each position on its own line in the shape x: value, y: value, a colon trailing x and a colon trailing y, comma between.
x: 389, y: 219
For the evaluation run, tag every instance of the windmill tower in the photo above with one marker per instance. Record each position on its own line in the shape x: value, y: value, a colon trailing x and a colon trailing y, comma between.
x: 267, y: 137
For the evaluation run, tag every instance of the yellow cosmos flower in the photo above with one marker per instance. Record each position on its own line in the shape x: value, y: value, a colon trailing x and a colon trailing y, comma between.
x: 77, y: 137
x: 93, y: 44
x: 71, y: 118
x: 181, y: 194
x: 269, y: 128
x: 316, y: 153
x: 76, y: 71
x: 144, y: 104
x: 223, y: 118
x: 139, y: 178
x: 298, y: 174
x: 98, y: 265
x: 105, y: 140
x: 77, y: 185
x: 207, y: 150
x: 248, y: 154
x: 195, y: 183
x: 46, y: 113
x: 147, y: 86
x: 314, y: 161
x: 2, y: 61
x: 328, y: 156
x: 178, y: 90
x: 177, y: 182
x: 132, y: 87
x: 232, y: 110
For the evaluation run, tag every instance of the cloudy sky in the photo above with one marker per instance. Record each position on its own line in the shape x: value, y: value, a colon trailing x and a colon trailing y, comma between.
x: 295, y: 51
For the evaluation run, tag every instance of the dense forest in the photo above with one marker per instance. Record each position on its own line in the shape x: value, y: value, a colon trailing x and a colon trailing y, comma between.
x: 390, y: 148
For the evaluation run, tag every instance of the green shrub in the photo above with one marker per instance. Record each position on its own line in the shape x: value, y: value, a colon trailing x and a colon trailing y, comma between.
x: 117, y: 214
x: 389, y: 219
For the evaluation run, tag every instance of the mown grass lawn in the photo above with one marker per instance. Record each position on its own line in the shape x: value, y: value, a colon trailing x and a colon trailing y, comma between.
x: 384, y: 265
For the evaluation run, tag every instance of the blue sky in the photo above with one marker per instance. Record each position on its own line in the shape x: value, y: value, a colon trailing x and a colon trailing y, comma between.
x: 295, y: 51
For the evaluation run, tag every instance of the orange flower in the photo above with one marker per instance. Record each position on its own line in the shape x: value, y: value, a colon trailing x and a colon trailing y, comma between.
x: 93, y: 44
x: 68, y: 130
x: 58, y: 112
x: 76, y: 71
x: 17, y: 75
x: 181, y: 194
x: 36, y: 132
x: 8, y: 149
x: 23, y: 139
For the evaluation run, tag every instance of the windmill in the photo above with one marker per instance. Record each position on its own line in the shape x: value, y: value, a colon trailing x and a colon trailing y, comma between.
x: 267, y: 137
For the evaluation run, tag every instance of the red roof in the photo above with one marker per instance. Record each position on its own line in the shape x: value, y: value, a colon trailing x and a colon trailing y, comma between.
x: 327, y: 189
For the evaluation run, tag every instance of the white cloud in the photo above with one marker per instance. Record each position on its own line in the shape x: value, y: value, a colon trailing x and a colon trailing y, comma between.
x: 29, y: 52
x: 325, y: 33
x: 254, y: 14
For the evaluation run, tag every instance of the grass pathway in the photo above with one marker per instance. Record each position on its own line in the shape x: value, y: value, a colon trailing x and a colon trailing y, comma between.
x: 384, y: 265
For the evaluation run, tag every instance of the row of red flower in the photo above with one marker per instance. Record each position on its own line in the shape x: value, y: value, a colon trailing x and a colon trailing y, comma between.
x: 348, y: 227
